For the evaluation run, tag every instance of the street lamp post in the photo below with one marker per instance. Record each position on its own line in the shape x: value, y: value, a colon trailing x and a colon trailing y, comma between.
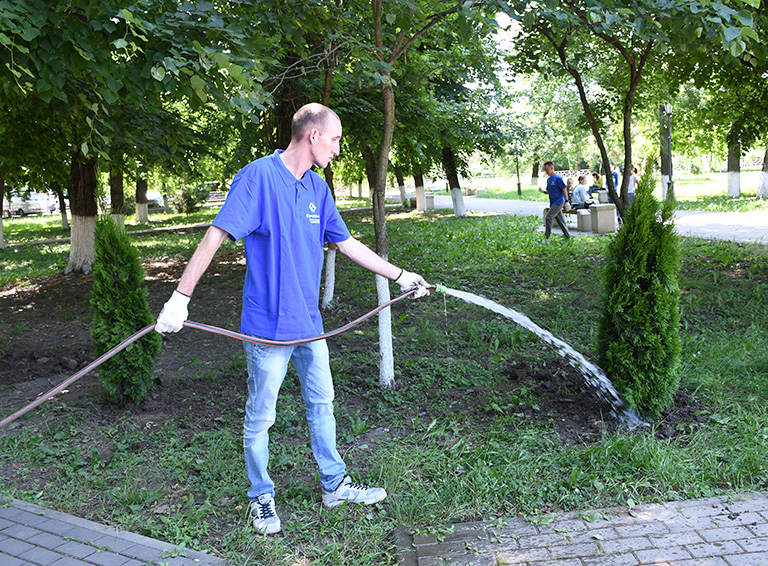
x: 666, y: 109
x: 517, y: 170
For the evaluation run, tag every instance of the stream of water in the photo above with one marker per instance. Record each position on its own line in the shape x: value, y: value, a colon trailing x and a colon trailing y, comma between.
x: 593, y: 375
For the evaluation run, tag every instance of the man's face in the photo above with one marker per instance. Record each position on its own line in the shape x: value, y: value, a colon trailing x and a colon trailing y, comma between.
x: 549, y: 170
x: 325, y: 144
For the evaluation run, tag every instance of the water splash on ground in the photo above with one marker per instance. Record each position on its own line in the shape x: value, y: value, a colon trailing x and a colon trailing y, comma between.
x: 593, y: 375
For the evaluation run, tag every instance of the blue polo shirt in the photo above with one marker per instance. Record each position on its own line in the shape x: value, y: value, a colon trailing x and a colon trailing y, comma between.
x: 284, y: 222
x: 555, y: 186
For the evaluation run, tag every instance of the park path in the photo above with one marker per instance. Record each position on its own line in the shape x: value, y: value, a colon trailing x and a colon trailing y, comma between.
x: 742, y: 227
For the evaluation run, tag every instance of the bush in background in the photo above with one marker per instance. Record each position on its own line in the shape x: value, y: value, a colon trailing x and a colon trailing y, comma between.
x: 638, y: 342
x: 120, y: 310
x: 188, y: 200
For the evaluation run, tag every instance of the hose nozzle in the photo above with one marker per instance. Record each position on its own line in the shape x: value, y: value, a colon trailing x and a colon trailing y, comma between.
x: 440, y: 288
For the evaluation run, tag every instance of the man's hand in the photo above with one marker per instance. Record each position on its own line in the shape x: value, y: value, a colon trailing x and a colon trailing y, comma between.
x: 173, y: 315
x: 408, y: 281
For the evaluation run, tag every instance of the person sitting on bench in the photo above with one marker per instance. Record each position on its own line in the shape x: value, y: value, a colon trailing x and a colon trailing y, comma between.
x: 580, y: 199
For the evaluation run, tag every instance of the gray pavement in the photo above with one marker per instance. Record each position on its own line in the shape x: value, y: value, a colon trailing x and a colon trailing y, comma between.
x: 719, y: 531
x: 31, y: 535
x: 742, y: 227
x: 706, y: 532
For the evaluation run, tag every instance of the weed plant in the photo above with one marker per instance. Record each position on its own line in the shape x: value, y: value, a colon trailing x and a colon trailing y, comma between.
x: 445, y: 443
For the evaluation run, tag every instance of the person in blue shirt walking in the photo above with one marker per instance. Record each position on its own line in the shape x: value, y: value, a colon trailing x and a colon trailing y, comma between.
x: 558, y: 196
x: 285, y: 213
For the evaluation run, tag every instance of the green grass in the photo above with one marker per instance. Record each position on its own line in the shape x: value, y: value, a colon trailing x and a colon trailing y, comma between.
x: 442, y: 458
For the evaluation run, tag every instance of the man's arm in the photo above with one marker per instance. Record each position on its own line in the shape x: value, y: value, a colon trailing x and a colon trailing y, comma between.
x: 174, y: 311
x: 363, y: 256
x: 200, y: 260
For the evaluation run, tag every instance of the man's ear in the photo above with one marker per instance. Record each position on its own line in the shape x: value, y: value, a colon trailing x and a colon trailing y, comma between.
x: 313, y: 135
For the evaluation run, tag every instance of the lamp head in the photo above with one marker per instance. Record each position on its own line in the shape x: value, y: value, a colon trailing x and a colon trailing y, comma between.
x: 667, y: 109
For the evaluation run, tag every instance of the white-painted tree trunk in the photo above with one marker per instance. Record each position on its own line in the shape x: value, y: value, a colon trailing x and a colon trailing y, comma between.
x: 330, y: 278
x: 64, y: 220
x: 734, y: 170
x: 664, y: 186
x: 401, y: 188
x: 142, y: 212
x: 421, y: 198
x: 81, y: 249
x: 762, y: 189
x: 359, y: 190
x: 351, y: 192
x: 459, y: 210
x: 119, y: 220
x: 734, y: 183
x: 387, y: 365
x: 2, y: 238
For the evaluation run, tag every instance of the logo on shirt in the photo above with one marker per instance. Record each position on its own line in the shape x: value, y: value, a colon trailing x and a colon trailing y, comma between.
x: 313, y: 218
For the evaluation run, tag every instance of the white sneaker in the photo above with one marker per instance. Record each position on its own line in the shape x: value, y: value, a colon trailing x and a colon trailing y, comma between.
x: 347, y: 490
x: 265, y: 519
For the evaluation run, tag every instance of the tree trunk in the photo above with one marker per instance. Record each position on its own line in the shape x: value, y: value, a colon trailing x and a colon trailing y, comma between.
x: 370, y: 169
x: 62, y: 209
x: 535, y: 171
x: 117, y: 195
x: 762, y: 190
x: 449, y: 164
x: 400, y: 184
x: 142, y: 206
x: 330, y: 277
x: 387, y: 366
x: 734, y: 170
x: 82, y: 198
x: 666, y: 158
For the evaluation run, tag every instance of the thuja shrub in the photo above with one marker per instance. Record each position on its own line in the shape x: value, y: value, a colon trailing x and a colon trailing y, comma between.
x: 120, y: 310
x: 638, y: 341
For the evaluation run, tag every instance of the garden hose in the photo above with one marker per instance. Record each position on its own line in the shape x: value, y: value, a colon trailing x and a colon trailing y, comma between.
x: 208, y: 328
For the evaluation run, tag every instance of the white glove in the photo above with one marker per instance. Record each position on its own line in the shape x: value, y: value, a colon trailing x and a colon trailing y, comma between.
x: 173, y: 315
x: 408, y: 281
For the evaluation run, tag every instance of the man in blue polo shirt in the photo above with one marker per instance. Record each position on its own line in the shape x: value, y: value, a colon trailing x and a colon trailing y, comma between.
x: 285, y: 212
x: 558, y: 195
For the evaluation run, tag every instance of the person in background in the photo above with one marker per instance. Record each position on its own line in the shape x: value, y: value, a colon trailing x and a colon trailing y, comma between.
x: 558, y: 196
x: 597, y: 184
x: 580, y: 200
x: 284, y: 212
x: 632, y: 185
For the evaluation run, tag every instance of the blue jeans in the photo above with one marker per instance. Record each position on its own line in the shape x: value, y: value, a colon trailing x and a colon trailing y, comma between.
x: 267, y: 366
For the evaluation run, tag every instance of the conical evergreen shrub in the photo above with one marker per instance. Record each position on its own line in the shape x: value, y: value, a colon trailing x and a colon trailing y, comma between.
x: 120, y: 310
x: 638, y: 342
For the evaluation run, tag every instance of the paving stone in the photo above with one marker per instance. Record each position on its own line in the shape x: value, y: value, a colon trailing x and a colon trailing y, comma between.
x: 8, y: 560
x: 69, y: 561
x: 574, y: 550
x: 733, y: 519
x: 749, y: 559
x: 714, y: 549
x: 755, y: 544
x: 479, y: 560
x: 626, y: 544
x: 595, y: 535
x: 543, y: 540
x: 107, y: 558
x: 424, y: 539
x: 4, y: 523
x: 709, y: 561
x: 40, y: 556
x: 655, y: 555
x: 522, y: 556
x: 76, y: 549
x: 689, y: 537
x: 15, y: 547
x: 431, y: 561
x: 643, y: 529
x: 563, y: 562
x: 46, y: 540
x: 759, y: 530
x: 727, y: 533
x: 21, y: 532
x: 627, y: 559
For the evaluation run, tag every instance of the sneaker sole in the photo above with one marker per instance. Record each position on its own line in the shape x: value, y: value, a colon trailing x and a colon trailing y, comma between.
x: 337, y: 502
x: 270, y: 530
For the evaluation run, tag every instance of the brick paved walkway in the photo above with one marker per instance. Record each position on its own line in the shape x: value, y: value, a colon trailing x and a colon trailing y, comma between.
x: 720, y: 531
x: 33, y: 536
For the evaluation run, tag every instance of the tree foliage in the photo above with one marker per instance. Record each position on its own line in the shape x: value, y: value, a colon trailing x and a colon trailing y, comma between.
x: 120, y: 310
x: 638, y: 342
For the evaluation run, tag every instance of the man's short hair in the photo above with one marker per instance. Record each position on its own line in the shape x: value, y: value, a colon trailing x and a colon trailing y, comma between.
x: 310, y: 116
x: 548, y: 163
